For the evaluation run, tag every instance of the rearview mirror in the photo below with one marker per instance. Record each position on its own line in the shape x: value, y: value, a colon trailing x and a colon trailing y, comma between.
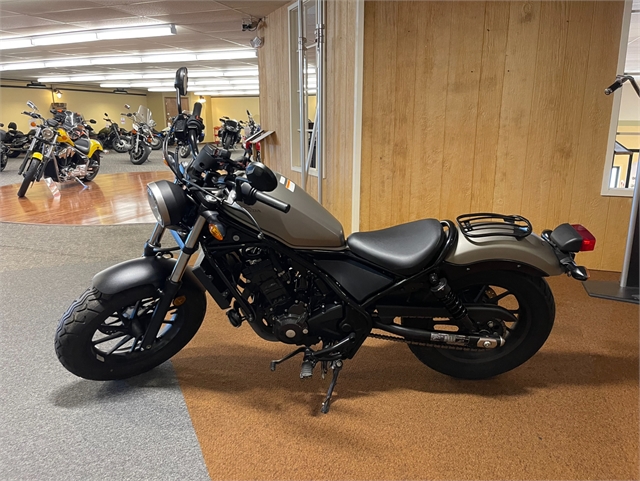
x: 91, y: 121
x: 127, y: 106
x: 261, y: 177
x: 31, y: 105
x: 181, y: 80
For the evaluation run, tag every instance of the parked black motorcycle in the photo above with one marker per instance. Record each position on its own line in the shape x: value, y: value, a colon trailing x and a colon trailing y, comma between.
x: 113, y: 137
x: 471, y: 297
x: 17, y: 142
x: 251, y: 150
x: 141, y: 135
x: 230, y: 132
x: 4, y: 151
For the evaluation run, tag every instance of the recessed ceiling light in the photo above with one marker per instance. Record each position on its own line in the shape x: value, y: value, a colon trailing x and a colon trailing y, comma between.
x: 137, y: 32
x: 53, y: 79
x: 241, y: 73
x: 181, y: 57
x: 129, y: 76
x: 115, y: 60
x: 227, y: 55
x: 8, y: 43
x: 79, y: 37
x: 22, y: 66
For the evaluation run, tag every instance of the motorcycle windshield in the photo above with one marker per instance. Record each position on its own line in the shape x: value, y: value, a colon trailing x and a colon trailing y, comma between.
x: 143, y: 115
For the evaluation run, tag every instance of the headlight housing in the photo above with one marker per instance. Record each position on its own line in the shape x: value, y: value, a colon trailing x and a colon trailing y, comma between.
x: 167, y: 202
x: 47, y: 133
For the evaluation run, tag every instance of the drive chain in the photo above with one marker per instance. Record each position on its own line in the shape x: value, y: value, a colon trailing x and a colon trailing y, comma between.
x: 425, y: 344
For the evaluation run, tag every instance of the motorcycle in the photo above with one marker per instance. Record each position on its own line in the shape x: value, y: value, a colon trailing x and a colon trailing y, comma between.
x: 470, y: 296
x: 230, y: 132
x: 54, y: 154
x: 113, y: 137
x: 141, y: 135
x: 158, y: 138
x: 4, y: 151
x: 17, y: 142
x: 251, y: 151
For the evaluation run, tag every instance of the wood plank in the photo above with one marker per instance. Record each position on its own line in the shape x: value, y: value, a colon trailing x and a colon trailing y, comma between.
x: 465, y: 51
x: 515, y: 112
x: 496, y: 29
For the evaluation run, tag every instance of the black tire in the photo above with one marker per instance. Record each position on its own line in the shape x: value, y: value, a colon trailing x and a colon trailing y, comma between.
x: 535, y: 313
x: 184, y: 151
x: 13, y: 154
x: 140, y: 155
x: 227, y: 142
x: 118, y: 145
x: 3, y: 161
x: 29, y: 177
x: 82, y: 354
x: 156, y: 143
x: 93, y: 167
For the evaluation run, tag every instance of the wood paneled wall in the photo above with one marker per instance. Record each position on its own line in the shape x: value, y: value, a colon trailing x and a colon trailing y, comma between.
x: 275, y: 95
x: 491, y: 106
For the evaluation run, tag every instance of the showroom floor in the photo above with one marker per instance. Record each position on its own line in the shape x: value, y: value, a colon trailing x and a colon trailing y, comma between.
x: 217, y: 411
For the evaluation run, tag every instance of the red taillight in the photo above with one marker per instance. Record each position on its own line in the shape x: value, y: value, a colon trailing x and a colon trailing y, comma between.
x: 588, y: 240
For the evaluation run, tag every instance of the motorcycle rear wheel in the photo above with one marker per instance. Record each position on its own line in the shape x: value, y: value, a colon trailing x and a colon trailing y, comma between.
x: 156, y: 143
x: 29, y: 178
x: 121, y: 146
x: 93, y: 167
x: 100, y: 335
x: 528, y: 298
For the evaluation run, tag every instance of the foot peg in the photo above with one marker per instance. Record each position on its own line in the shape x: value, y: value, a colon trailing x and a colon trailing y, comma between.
x: 306, y: 370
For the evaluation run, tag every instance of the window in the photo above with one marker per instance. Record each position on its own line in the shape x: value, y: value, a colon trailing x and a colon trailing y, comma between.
x: 622, y: 162
x: 307, y: 108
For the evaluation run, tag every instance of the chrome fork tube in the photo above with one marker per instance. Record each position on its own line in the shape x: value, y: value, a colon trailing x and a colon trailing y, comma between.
x: 187, y: 250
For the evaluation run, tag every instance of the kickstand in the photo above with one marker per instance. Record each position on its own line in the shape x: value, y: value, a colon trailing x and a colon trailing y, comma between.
x: 84, y: 186
x: 336, y: 366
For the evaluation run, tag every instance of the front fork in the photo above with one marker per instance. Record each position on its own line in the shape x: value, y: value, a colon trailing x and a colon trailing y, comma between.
x: 174, y: 281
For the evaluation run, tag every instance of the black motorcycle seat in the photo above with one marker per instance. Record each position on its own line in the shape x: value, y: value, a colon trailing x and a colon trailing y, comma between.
x: 404, y: 249
x: 83, y: 145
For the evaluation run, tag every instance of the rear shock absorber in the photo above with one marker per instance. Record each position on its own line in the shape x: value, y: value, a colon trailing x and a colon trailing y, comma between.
x: 441, y: 289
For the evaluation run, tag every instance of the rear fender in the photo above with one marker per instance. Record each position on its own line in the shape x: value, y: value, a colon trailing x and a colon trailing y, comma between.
x: 139, y: 272
x: 530, y: 254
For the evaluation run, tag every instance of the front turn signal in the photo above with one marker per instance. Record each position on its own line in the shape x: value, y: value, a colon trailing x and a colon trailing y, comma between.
x: 217, y: 231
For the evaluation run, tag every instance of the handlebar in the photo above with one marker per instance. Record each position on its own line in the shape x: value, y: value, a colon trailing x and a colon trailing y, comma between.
x: 250, y: 195
x: 620, y: 79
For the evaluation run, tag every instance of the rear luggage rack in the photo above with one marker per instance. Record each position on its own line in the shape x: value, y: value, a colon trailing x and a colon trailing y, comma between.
x: 488, y: 224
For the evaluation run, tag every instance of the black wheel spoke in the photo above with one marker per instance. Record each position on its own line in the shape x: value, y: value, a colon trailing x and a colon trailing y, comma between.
x: 134, y: 345
x: 110, y: 337
x: 495, y: 300
x: 480, y: 293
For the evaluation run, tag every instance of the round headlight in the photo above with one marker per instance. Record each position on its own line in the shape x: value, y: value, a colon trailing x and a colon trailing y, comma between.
x: 167, y: 202
x: 47, y: 133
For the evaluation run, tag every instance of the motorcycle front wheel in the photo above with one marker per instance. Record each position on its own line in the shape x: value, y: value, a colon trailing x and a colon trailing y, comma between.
x: 93, y: 167
x: 227, y: 142
x: 3, y: 161
x: 100, y: 335
x: 156, y: 143
x: 530, y: 301
x: 184, y: 151
x: 29, y: 178
x: 139, y: 155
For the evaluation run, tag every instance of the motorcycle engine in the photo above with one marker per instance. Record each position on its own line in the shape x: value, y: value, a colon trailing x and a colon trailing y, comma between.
x: 277, y: 294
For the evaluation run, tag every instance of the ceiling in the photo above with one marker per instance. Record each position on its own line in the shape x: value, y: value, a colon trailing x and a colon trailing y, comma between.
x: 632, y: 63
x: 201, y: 25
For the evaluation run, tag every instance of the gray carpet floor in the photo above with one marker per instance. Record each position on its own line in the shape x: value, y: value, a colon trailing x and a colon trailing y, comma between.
x: 53, y: 425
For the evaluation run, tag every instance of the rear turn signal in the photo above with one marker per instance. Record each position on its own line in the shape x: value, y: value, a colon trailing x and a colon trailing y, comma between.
x: 588, y: 240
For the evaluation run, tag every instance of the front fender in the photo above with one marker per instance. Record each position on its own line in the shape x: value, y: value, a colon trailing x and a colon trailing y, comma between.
x: 139, y: 272
x: 531, y: 253
x: 93, y: 146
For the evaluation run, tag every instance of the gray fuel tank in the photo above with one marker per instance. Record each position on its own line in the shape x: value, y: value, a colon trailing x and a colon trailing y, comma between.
x: 307, y: 225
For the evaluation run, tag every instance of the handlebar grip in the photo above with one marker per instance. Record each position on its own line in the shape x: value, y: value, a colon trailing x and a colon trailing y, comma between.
x: 613, y: 87
x: 197, y: 109
x: 272, y: 202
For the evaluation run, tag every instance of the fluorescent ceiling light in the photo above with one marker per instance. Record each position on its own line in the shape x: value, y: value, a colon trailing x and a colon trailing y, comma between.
x: 53, y: 79
x: 114, y: 85
x: 79, y: 37
x: 8, y: 43
x: 147, y: 84
x: 22, y: 66
x: 241, y: 73
x: 161, y: 89
x: 204, y: 73
x: 210, y: 82
x: 245, y: 82
x: 89, y: 36
x: 88, y: 78
x: 162, y: 75
x: 222, y: 93
x: 227, y: 55
x: 136, y: 32
x: 169, y: 57
x: 115, y: 60
x: 129, y: 76
x: 72, y: 62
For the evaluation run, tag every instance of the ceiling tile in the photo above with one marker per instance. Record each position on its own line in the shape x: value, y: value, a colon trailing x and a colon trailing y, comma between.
x: 20, y: 21
x: 84, y: 15
x: 152, y: 9
x: 116, y: 22
x: 36, y: 8
x: 204, y: 17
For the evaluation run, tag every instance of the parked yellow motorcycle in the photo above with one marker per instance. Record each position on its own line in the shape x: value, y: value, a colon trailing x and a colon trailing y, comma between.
x: 54, y: 154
